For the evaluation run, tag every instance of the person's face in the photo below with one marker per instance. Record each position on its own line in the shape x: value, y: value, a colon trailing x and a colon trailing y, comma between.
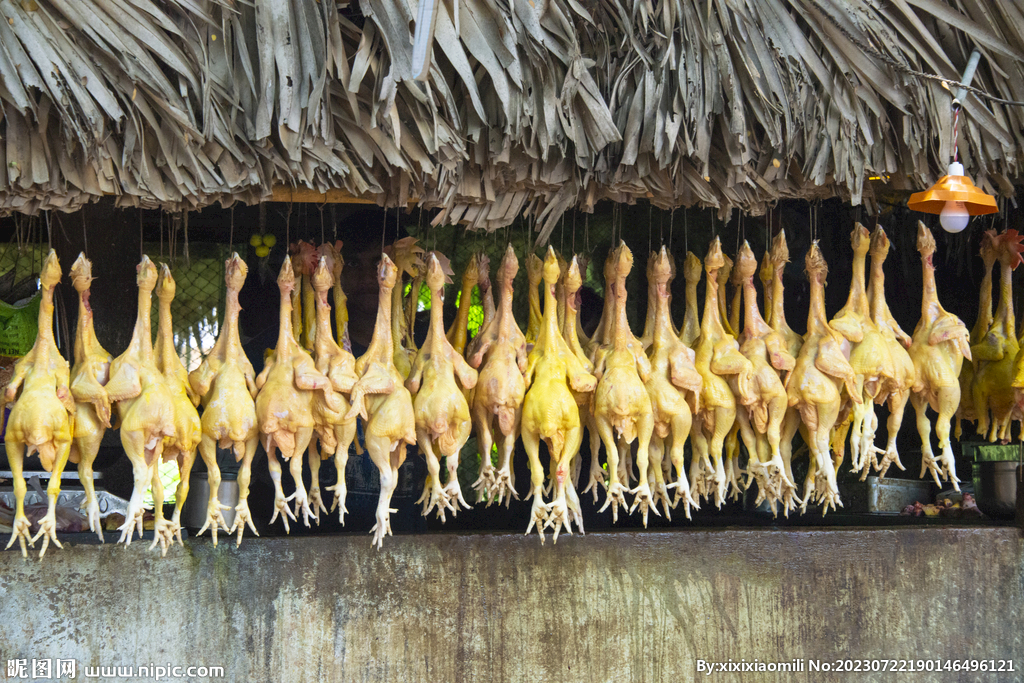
x: 359, y: 278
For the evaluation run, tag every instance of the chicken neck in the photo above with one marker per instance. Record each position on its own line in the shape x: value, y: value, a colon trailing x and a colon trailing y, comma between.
x: 44, y: 340
x: 285, y: 334
x: 234, y: 343
x: 984, y: 321
x: 380, y: 348
x: 1004, y: 312
x: 817, y: 322
x: 86, y: 343
x: 753, y: 324
x: 165, y: 329
x: 711, y: 323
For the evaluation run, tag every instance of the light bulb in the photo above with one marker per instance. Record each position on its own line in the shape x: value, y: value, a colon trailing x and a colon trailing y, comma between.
x: 954, y: 217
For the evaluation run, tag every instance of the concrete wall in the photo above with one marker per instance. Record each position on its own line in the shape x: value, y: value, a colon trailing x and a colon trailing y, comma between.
x: 626, y: 607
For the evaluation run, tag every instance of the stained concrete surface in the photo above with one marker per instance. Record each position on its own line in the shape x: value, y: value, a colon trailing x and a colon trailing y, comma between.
x: 631, y: 607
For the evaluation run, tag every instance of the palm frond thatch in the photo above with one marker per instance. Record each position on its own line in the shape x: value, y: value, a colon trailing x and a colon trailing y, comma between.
x: 525, y: 105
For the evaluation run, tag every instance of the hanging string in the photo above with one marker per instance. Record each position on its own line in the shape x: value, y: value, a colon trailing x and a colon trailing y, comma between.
x: 85, y: 237
x: 231, y: 234
x: 650, y: 225
x: 383, y: 229
x: 141, y: 252
x: 322, y: 222
x: 160, y: 218
x: 288, y: 227
x: 188, y: 260
x: 671, y: 226
x: 334, y: 222
x: 574, y: 212
x: 586, y: 229
x: 49, y: 235
x: 686, y: 229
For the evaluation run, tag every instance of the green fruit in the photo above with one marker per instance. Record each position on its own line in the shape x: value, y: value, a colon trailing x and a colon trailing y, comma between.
x: 262, y: 251
x: 269, y: 240
x: 255, y: 240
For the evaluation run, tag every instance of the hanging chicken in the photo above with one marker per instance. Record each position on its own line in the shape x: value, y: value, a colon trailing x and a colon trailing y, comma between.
x: 869, y: 355
x: 441, y: 411
x: 989, y: 255
x: 550, y: 412
x: 691, y: 319
x: 187, y: 429
x: 647, y: 338
x: 672, y: 373
x: 622, y: 406
x: 333, y: 252
x: 940, y: 345
x: 334, y: 431
x: 305, y: 265
x: 226, y: 382
x: 717, y: 359
x: 993, y: 356
x: 761, y: 422
x: 144, y: 403
x: 408, y: 258
x: 534, y: 276
x: 92, y: 406
x: 284, y: 405
x: 602, y: 338
x: 571, y: 283
x: 458, y: 333
x: 895, y: 390
x: 499, y: 352
x: 41, y: 420
x: 814, y: 386
x: 383, y: 402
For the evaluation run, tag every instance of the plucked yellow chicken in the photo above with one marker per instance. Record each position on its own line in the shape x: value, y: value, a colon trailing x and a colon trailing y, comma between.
x: 550, y: 413
x: 383, y: 402
x: 499, y: 352
x: 691, y: 319
x: 443, y: 423
x: 92, y: 407
x: 601, y: 340
x: 41, y: 420
x: 599, y: 344
x: 534, y: 276
x: 761, y: 422
x: 408, y: 258
x: 571, y: 282
x: 284, y: 405
x: 982, y: 324
x: 647, y: 338
x: 940, y: 345
x: 144, y: 403
x: 187, y: 428
x: 895, y: 390
x: 334, y: 431
x: 993, y: 357
x: 717, y: 359
x: 622, y: 406
x: 305, y: 264
x: 814, y: 387
x: 340, y: 305
x: 226, y: 383
x: 869, y: 355
x: 458, y: 333
x: 672, y: 374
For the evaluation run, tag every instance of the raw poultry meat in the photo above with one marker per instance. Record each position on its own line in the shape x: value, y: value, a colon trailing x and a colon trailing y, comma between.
x: 383, y: 402
x: 940, y: 345
x: 187, y: 428
x: 458, y: 333
x: 441, y: 411
x: 717, y: 358
x: 486, y: 292
x: 622, y: 406
x: 761, y: 422
x: 994, y: 355
x: 723, y: 277
x: 408, y: 258
x: 92, y: 407
x: 672, y: 374
x: 550, y: 413
x: 691, y: 318
x: 226, y: 383
x: 602, y: 338
x: 966, y: 410
x: 296, y: 294
x: 499, y: 353
x: 895, y: 390
x: 534, y: 276
x: 306, y: 264
x: 868, y: 354
x: 333, y: 253
x: 284, y: 405
x: 334, y: 431
x: 144, y: 403
x: 815, y: 384
x: 571, y: 282
x: 647, y: 338
x: 41, y: 419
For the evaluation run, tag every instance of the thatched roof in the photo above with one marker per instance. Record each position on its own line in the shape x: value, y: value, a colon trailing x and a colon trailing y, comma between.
x: 535, y: 105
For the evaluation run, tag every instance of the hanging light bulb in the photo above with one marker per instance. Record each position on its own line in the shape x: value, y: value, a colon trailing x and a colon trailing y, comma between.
x: 954, y: 198
x: 954, y: 217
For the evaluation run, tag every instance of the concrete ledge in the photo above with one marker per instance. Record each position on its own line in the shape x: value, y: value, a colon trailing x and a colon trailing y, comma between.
x: 608, y: 607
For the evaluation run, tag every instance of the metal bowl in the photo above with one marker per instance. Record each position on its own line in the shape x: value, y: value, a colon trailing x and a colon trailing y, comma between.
x: 995, y: 486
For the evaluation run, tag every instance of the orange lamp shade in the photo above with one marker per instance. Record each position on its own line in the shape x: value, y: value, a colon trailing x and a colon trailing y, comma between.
x: 953, y: 187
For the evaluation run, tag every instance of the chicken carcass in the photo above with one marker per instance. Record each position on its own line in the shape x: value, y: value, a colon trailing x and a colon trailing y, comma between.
x: 499, y: 352
x: 550, y: 413
x: 622, y: 406
x: 441, y: 411
x: 458, y: 333
x: 226, y: 383
x: 92, y: 406
x: 718, y: 358
x: 571, y: 282
x: 869, y: 356
x: 814, y: 386
x: 306, y: 264
x: 144, y: 403
x: 408, y: 258
x: 284, y: 405
x: 895, y: 390
x: 381, y: 399
x: 41, y: 419
x: 335, y: 433
x: 534, y: 276
x: 672, y: 373
x: 691, y: 318
x: 993, y: 357
x: 187, y: 428
x: 761, y: 422
x: 940, y: 345
x: 333, y: 252
x: 981, y: 326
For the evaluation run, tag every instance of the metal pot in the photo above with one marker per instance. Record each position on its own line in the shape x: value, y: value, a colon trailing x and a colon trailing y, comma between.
x: 995, y: 488
x: 193, y: 514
